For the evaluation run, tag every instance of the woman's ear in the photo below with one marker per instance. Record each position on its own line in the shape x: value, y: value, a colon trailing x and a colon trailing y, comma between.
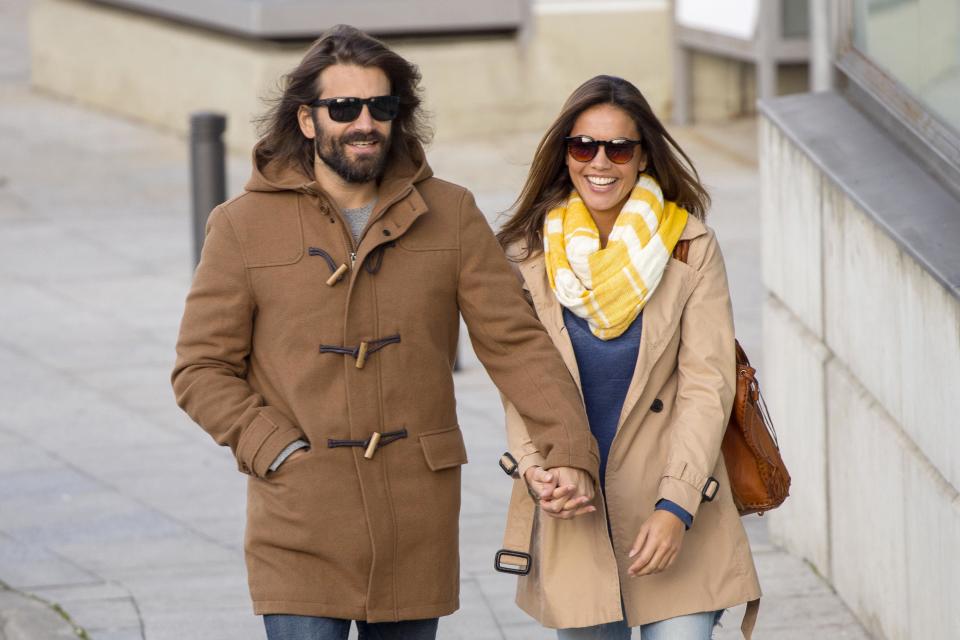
x: 305, y: 120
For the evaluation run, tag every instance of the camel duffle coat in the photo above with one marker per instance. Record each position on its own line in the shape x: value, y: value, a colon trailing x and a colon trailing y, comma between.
x: 275, y: 347
x: 667, y: 445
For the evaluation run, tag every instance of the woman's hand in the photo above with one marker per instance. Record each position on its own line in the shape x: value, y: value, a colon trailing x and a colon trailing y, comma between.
x: 657, y: 545
x: 564, y: 492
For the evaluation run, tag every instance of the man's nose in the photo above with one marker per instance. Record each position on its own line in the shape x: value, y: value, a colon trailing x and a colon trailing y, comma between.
x: 364, y: 121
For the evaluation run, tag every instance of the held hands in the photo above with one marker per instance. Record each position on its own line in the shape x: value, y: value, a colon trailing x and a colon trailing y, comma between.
x: 657, y: 545
x: 563, y: 492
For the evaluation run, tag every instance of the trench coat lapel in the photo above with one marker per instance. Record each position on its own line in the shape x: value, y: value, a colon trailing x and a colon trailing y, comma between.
x: 549, y: 311
x: 661, y: 316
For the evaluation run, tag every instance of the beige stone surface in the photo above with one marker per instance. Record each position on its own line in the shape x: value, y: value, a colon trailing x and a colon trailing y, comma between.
x: 867, y: 508
x: 792, y: 205
x: 863, y: 345
x: 897, y: 329
x: 794, y: 386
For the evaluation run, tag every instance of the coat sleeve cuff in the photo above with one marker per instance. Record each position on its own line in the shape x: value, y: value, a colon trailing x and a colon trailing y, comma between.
x: 682, y: 485
x: 675, y: 509
x: 263, y: 440
x: 589, y: 461
x: 528, y: 460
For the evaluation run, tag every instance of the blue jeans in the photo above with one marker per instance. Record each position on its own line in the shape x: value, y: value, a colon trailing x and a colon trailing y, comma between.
x: 696, y: 626
x: 289, y: 627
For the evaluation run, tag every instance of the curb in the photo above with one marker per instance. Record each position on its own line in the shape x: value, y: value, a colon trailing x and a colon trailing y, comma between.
x: 23, y: 617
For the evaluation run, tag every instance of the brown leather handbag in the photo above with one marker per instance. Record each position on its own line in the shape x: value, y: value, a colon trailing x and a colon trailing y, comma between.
x: 759, y: 479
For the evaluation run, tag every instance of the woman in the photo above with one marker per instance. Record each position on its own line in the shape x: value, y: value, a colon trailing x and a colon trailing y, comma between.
x: 649, y: 340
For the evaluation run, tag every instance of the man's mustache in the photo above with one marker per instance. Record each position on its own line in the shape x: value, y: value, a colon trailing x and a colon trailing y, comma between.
x: 351, y: 138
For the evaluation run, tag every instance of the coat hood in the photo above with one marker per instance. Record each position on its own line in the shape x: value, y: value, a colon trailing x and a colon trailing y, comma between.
x: 403, y: 169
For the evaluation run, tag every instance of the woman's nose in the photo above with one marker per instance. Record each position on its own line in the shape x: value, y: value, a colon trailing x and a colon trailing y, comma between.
x: 600, y: 161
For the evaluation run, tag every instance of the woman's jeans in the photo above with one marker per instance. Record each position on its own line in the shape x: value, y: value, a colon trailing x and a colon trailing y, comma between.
x: 289, y: 627
x: 696, y: 626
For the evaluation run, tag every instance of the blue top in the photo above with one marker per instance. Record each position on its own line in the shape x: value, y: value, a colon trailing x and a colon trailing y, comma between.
x: 606, y: 369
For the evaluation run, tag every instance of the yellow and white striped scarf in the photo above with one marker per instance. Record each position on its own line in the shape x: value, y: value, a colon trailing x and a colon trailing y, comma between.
x: 609, y: 287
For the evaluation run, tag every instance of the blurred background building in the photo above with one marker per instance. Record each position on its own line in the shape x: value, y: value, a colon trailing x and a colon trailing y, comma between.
x: 488, y: 67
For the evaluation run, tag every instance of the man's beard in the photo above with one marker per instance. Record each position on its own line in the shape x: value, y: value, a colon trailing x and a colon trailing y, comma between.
x: 361, y: 170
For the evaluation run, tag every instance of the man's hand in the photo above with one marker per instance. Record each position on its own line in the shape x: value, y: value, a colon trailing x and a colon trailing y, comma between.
x: 657, y: 545
x: 541, y: 482
x: 565, y: 492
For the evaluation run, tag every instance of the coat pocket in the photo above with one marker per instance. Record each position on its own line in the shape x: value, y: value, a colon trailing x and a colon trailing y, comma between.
x: 444, y: 449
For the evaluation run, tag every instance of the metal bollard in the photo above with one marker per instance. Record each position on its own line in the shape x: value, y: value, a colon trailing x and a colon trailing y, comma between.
x: 208, y: 172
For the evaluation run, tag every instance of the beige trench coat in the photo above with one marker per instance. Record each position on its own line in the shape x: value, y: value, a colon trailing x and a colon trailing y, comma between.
x: 667, y: 445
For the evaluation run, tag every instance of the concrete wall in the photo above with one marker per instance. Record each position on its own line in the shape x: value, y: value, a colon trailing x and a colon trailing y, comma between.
x: 159, y: 71
x: 862, y: 362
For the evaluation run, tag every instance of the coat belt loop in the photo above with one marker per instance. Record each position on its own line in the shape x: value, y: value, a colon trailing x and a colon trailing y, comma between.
x: 515, y: 556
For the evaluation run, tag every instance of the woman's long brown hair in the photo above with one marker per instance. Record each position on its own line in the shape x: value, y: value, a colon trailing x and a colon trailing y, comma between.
x: 548, y: 183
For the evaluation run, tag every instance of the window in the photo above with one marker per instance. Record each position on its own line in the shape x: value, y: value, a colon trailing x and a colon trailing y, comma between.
x: 902, y: 58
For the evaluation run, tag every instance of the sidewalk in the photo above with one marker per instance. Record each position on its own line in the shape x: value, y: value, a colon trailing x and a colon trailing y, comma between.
x: 118, y: 508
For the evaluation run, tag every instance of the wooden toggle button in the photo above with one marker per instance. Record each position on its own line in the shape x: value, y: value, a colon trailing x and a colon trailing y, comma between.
x: 335, y: 278
x: 372, y: 447
x: 362, y: 355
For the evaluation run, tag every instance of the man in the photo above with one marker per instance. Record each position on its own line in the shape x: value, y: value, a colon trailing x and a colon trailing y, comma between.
x: 318, y: 343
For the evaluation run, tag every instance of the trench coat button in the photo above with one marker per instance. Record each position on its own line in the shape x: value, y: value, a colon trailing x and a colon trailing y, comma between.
x: 386, y: 232
x: 657, y: 406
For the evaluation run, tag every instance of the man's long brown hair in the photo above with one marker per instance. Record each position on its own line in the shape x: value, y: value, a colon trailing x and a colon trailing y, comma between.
x: 548, y: 183
x: 283, y: 142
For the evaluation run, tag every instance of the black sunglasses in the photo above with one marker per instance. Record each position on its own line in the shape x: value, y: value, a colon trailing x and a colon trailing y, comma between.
x: 381, y: 108
x: 584, y: 149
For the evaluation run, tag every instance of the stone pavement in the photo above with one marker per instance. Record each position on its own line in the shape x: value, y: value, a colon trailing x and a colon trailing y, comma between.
x: 117, y: 508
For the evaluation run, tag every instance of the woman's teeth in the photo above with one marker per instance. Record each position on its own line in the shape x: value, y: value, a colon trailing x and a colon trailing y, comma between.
x: 600, y: 182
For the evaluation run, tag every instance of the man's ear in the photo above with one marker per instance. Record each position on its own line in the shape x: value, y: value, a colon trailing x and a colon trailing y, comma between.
x: 306, y: 122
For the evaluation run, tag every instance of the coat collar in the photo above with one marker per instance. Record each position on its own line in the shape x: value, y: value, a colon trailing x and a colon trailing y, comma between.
x: 399, y: 203
x: 661, y: 315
